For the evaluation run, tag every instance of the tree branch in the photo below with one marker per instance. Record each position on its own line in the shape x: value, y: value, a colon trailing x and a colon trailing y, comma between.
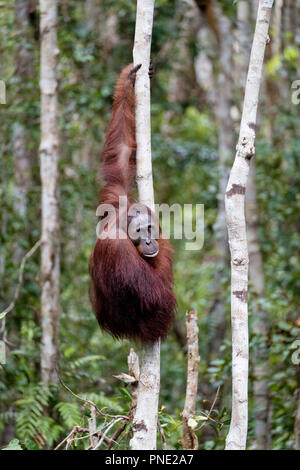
x: 145, y: 419
x: 236, y: 224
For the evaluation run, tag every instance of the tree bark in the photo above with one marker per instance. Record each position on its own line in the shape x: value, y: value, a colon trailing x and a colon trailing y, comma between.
x: 24, y: 71
x: 288, y: 21
x: 297, y: 425
x: 288, y: 17
x: 256, y: 271
x: 225, y: 126
x: 145, y: 419
x: 254, y: 8
x: 243, y: 39
x: 297, y: 38
x: 276, y: 27
x: 104, y: 27
x: 235, y: 216
x: 181, y: 76
x: 257, y: 278
x: 204, y: 62
x: 189, y: 437
x: 50, y: 251
x: 222, y: 106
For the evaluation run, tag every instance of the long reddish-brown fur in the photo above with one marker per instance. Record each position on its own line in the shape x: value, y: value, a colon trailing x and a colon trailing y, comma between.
x: 132, y: 297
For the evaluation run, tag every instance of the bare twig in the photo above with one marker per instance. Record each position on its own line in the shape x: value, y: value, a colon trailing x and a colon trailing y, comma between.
x: 117, y: 434
x: 111, y: 424
x: 74, y: 430
x: 208, y: 417
x: 97, y: 437
x: 88, y: 402
x: 20, y: 279
x: 77, y: 429
x: 214, y: 402
x: 98, y: 433
x: 162, y: 435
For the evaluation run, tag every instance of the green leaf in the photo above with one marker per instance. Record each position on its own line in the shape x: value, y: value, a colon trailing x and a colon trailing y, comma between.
x: 192, y: 423
x: 13, y: 445
x: 291, y: 54
x: 285, y: 326
x: 201, y: 418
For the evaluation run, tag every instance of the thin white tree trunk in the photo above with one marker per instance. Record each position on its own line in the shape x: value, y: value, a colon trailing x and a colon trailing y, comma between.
x: 256, y: 271
x: 254, y: 8
x: 189, y: 437
x: 50, y: 251
x: 235, y: 216
x: 145, y: 419
x: 243, y: 39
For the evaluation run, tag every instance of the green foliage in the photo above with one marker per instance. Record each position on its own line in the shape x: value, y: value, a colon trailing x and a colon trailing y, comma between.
x: 291, y: 55
x: 85, y: 360
x: 70, y: 414
x: 13, y: 445
x: 103, y: 402
x: 31, y: 422
x: 273, y: 66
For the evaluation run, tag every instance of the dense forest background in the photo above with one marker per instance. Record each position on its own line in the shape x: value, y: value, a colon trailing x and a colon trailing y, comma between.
x: 198, y: 57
